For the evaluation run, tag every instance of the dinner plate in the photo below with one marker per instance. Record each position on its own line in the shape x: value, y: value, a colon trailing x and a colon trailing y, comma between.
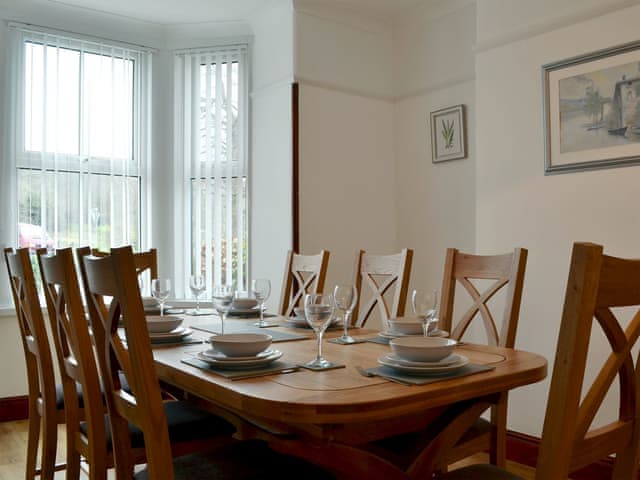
x: 388, y: 334
x: 239, y: 364
x: 175, y: 333
x: 245, y: 311
x: 168, y: 310
x: 423, y: 370
x: 217, y: 355
x: 445, y: 362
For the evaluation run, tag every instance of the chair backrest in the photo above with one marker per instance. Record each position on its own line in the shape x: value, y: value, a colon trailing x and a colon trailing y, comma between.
x: 74, y: 350
x: 144, y: 261
x: 33, y: 333
x: 597, y: 283
x: 379, y: 273
x: 303, y: 274
x: 115, y: 276
x: 505, y: 270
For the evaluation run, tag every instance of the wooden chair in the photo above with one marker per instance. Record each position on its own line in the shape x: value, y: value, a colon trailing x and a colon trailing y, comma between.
x: 303, y: 274
x: 145, y: 261
x: 45, y: 404
x: 88, y: 438
x: 597, y: 283
x: 505, y: 271
x: 115, y: 276
x: 378, y: 273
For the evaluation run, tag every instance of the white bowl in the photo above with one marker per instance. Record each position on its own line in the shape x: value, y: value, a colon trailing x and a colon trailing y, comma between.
x: 422, y: 349
x: 406, y: 325
x: 244, y: 303
x: 164, y: 324
x: 149, y: 302
x: 241, y: 344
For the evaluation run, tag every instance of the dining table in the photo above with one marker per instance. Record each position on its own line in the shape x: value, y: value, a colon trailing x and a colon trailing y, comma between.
x: 352, y: 424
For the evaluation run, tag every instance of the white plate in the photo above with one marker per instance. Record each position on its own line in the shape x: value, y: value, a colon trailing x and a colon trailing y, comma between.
x: 424, y: 370
x: 237, y: 364
x: 216, y: 355
x: 387, y: 334
x: 175, y: 333
x: 445, y: 362
x: 245, y: 311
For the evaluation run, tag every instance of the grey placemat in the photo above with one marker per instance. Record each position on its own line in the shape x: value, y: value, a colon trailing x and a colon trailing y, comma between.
x: 389, y: 372
x: 339, y: 341
x: 174, y: 343
x: 255, y: 315
x: 275, y: 367
x: 277, y: 335
x: 377, y: 339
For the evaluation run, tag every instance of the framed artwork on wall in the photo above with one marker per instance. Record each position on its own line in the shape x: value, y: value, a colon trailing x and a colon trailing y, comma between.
x: 448, y: 135
x: 592, y: 110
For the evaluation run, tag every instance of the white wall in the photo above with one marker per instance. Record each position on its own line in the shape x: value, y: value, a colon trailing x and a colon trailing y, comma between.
x: 516, y: 203
x: 435, y: 202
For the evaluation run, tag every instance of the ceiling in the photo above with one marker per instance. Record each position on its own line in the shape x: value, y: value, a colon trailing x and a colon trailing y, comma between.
x: 198, y: 11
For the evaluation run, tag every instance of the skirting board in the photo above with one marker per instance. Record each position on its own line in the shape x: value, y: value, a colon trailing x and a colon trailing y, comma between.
x: 14, y: 408
x: 521, y: 448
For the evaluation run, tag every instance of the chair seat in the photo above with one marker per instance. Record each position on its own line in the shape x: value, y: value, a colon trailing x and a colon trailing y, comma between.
x: 60, y: 393
x: 479, y: 472
x: 248, y: 460
x: 186, y: 422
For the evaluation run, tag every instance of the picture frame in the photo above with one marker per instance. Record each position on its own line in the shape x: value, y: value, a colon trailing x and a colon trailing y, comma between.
x: 592, y: 110
x: 448, y: 134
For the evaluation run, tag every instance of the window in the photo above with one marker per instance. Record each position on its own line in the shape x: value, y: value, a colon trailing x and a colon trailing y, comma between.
x: 211, y: 139
x: 79, y: 132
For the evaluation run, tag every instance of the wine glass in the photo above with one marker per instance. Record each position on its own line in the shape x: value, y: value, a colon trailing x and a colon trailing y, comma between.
x: 318, y: 310
x: 425, y: 304
x: 345, y: 297
x: 261, y: 289
x: 197, y: 286
x: 160, y: 289
x: 222, y: 299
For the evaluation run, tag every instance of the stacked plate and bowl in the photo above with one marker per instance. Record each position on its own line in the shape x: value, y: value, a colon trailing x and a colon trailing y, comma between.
x: 166, y: 329
x: 240, y: 351
x: 409, y: 326
x: 420, y: 355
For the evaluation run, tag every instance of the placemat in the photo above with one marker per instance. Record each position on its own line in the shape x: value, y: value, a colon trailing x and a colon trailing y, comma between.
x: 173, y: 343
x: 250, y: 315
x: 377, y: 339
x: 389, y: 372
x: 277, y: 335
x: 339, y: 341
x: 331, y: 366
x: 278, y: 366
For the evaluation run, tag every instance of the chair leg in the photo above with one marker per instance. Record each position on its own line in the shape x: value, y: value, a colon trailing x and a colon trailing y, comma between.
x: 32, y: 444
x: 73, y: 458
x: 49, y: 446
x: 498, y: 449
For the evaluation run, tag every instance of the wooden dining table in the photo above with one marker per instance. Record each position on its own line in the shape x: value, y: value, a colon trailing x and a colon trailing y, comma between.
x: 339, y: 418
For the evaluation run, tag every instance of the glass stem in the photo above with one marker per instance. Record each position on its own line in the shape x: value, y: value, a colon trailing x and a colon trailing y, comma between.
x: 222, y: 317
x: 161, y: 309
x: 261, y: 313
x: 347, y: 315
x: 320, y: 335
x: 197, y: 303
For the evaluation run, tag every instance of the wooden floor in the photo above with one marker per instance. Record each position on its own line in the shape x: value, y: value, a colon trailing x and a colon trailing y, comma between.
x: 13, y: 445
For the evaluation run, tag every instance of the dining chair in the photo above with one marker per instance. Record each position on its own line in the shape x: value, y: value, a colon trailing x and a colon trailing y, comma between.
x: 379, y: 273
x: 115, y: 276
x: 146, y: 261
x: 600, y: 288
x: 498, y: 272
x: 46, y: 407
x: 302, y: 274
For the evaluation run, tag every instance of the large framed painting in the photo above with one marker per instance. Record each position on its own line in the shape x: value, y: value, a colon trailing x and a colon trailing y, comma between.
x: 448, y: 136
x: 592, y: 110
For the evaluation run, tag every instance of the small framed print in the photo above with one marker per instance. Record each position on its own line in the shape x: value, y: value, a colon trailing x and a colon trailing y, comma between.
x: 448, y: 136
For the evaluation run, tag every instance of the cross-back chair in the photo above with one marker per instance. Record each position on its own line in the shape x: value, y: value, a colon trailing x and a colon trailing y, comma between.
x: 378, y: 274
x: 115, y: 276
x: 303, y: 274
x: 86, y: 437
x: 597, y: 284
x: 145, y: 261
x: 504, y: 271
x: 45, y: 404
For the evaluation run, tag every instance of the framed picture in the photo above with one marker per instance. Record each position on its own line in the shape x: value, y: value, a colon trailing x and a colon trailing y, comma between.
x: 448, y: 136
x: 592, y: 110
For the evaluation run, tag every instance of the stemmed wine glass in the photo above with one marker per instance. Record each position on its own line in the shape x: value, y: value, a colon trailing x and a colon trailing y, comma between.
x: 222, y: 299
x: 261, y: 289
x: 318, y: 310
x: 425, y: 304
x: 197, y: 286
x: 160, y: 289
x: 345, y: 297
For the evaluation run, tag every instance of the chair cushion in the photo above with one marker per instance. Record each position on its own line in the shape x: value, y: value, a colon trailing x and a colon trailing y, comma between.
x: 60, y: 393
x: 186, y: 422
x: 248, y: 460
x: 479, y: 472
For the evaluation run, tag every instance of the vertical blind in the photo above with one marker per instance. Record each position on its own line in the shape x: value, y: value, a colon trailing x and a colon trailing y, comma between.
x: 211, y: 158
x: 80, y: 138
